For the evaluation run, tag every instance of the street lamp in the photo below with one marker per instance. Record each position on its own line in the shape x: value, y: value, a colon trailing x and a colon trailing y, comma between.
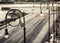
x: 56, y: 22
x: 51, y: 35
x: 53, y: 24
x: 48, y: 22
x: 14, y: 15
x: 24, y: 27
x: 41, y: 10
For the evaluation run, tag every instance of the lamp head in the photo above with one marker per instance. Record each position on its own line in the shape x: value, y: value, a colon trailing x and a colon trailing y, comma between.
x: 6, y: 33
x: 6, y: 36
x: 41, y: 14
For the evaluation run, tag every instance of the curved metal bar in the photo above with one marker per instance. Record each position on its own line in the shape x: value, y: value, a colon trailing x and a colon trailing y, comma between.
x: 13, y: 13
x: 23, y: 14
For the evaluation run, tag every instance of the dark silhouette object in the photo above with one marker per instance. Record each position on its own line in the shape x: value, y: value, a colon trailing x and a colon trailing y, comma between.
x: 6, y: 2
x: 6, y: 32
x: 56, y: 0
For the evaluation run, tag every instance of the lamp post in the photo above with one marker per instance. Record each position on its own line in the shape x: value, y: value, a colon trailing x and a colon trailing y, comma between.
x: 41, y: 10
x: 13, y: 13
x: 56, y: 24
x: 48, y: 22
x: 24, y: 27
x: 53, y: 24
x: 56, y: 29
